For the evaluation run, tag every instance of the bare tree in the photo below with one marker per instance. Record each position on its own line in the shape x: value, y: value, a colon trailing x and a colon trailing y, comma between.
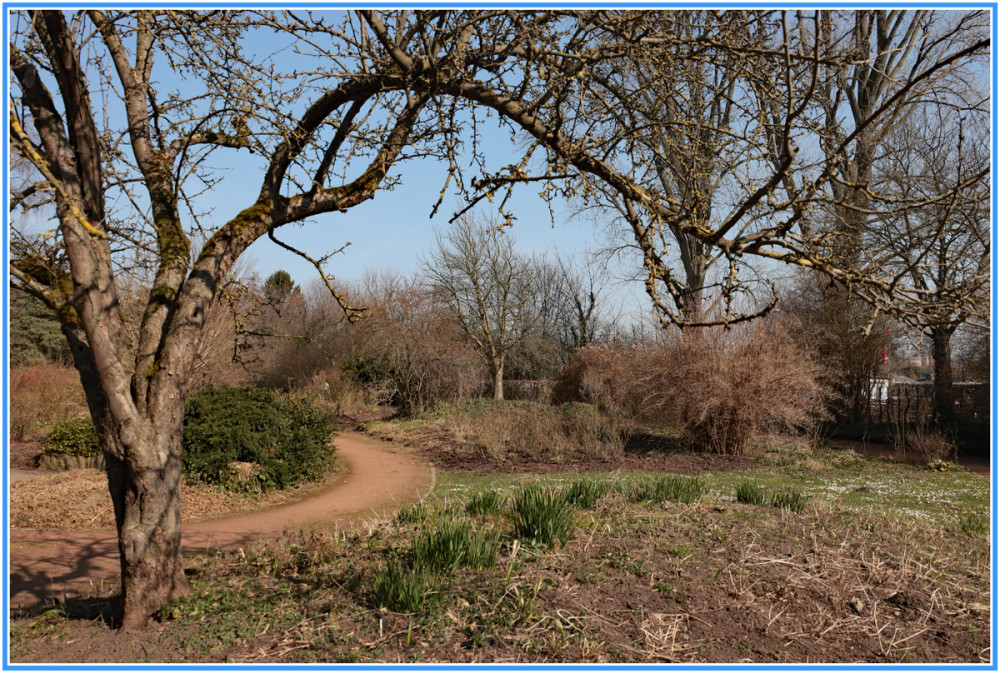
x: 944, y: 246
x: 365, y: 91
x: 62, y: 65
x: 489, y: 287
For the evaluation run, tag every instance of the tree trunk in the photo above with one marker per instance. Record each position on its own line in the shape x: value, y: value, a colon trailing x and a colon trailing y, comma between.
x: 146, y: 496
x: 944, y: 392
x: 498, y: 381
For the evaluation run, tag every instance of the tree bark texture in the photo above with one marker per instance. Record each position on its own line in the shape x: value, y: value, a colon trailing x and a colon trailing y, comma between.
x: 944, y: 391
x: 498, y: 381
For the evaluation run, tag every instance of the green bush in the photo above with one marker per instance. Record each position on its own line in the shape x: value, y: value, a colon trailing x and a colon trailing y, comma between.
x: 76, y: 437
x: 542, y: 515
x: 286, y: 437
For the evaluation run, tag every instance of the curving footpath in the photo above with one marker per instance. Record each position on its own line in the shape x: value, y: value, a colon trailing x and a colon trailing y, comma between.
x: 47, y: 564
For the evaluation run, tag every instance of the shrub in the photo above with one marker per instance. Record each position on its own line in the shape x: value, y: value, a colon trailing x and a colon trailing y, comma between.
x: 922, y: 444
x: 285, y: 436
x: 76, y: 437
x: 399, y: 589
x: 601, y: 375
x: 723, y: 387
x: 750, y: 492
x: 540, y: 432
x: 410, y: 345
x: 42, y: 395
x: 542, y: 515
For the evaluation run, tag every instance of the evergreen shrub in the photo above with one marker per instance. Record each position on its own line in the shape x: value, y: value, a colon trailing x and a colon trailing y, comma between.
x: 286, y: 437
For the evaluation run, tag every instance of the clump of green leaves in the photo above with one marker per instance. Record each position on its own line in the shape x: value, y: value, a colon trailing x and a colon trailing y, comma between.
x: 287, y: 437
x: 750, y: 492
x: 76, y: 437
x: 790, y: 499
x: 584, y: 493
x: 485, y: 503
x: 543, y: 515
x: 401, y: 589
x: 413, y: 514
x: 673, y: 487
x: 442, y: 548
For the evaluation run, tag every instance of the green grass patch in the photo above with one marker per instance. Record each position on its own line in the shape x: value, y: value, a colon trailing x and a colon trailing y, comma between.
x: 790, y: 499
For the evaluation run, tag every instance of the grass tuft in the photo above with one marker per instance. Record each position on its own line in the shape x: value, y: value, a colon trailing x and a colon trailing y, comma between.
x: 401, y: 589
x: 413, y: 514
x: 790, y: 499
x: 584, y: 493
x: 673, y: 487
x: 974, y: 524
x: 750, y: 492
x: 543, y: 515
x: 485, y: 503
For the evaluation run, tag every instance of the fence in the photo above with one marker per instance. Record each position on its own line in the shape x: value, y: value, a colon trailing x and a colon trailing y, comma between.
x: 915, y: 402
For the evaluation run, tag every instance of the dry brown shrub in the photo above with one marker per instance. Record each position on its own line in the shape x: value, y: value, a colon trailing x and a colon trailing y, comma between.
x: 410, y: 344
x: 42, y: 395
x: 339, y: 393
x: 722, y: 387
x: 602, y: 375
x: 540, y: 432
x: 923, y: 444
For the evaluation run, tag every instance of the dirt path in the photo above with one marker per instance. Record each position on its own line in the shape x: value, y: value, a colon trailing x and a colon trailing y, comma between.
x: 48, y: 564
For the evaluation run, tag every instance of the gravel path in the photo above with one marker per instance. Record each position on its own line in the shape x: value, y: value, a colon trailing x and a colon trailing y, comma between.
x: 49, y: 564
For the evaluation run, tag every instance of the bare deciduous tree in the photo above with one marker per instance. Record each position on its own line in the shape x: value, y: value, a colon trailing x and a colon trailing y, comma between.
x: 943, y: 246
x: 364, y: 91
x: 490, y: 288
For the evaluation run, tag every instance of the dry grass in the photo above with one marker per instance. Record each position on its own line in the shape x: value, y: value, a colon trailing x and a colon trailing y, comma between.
x: 78, y: 499
x: 540, y: 432
x: 42, y: 395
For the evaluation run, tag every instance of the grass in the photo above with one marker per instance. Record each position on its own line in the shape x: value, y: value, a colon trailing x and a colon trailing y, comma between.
x: 750, y: 492
x: 464, y: 577
x: 543, y: 515
x: 402, y: 589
